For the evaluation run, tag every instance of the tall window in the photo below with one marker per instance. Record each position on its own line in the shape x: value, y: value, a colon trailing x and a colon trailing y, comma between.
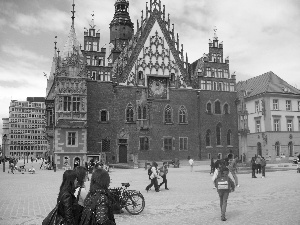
x: 105, y: 145
x: 67, y: 104
x: 71, y: 138
x: 220, y: 72
x: 288, y: 105
x: 142, y: 112
x: 291, y: 149
x: 182, y: 115
x: 144, y: 143
x: 298, y: 105
x: 129, y: 113
x: 217, y: 107
x: 94, y: 60
x: 257, y: 126
x: 168, y: 143
x: 208, y: 108
x: 226, y: 109
x: 207, y: 138
x: 95, y: 46
x: 141, y: 76
x: 208, y: 85
x: 229, y: 137
x: 88, y: 60
x: 103, y: 116
x: 168, y: 114
x: 76, y: 104
x: 256, y: 106
x: 208, y: 72
x: 275, y: 104
x: 276, y: 124
x: 88, y: 46
x: 289, y: 125
x: 139, y: 112
x: 202, y: 86
x: 218, y: 134
x: 183, y: 144
x: 277, y: 148
x: 226, y: 74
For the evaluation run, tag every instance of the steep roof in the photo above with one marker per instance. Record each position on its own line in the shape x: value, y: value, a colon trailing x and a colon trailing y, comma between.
x: 265, y: 83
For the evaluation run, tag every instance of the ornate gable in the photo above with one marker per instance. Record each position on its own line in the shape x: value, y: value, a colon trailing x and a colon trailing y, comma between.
x: 153, y: 51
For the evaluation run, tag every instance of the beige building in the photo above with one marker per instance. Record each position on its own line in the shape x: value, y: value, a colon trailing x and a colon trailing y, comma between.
x: 269, y: 118
x: 5, y: 131
x: 26, y: 128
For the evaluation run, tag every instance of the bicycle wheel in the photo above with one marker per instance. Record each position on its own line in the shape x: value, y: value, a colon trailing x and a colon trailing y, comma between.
x: 135, y: 203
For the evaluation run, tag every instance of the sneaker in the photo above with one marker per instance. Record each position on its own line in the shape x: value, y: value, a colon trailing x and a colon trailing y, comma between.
x: 167, y: 188
x: 238, y: 185
x: 223, y: 219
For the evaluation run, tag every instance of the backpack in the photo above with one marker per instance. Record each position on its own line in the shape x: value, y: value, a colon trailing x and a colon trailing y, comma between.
x: 149, y: 172
x: 222, y: 183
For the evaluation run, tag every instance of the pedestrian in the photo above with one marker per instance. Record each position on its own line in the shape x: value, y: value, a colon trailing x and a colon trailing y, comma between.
x: 97, y: 204
x: 258, y: 164
x: 80, y: 192
x: 67, y: 203
x: 233, y: 168
x: 42, y: 164
x: 87, y: 170
x: 163, y: 173
x: 253, y: 167
x: 76, y: 163
x: 153, y: 177
x: 191, y: 162
x: 263, y: 167
x: 212, y: 166
x: 224, y: 186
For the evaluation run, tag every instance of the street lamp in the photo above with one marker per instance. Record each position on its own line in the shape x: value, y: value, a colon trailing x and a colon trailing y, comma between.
x: 4, y: 140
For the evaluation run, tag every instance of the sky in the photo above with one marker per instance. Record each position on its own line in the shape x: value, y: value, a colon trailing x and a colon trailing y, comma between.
x: 258, y: 36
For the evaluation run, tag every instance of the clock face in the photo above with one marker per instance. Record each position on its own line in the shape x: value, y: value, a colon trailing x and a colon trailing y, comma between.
x: 158, y: 88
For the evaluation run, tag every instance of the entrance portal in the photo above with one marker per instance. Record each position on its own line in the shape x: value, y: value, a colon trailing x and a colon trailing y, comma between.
x: 122, y: 153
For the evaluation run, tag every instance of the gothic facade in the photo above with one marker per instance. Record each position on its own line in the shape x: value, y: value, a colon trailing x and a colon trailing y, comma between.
x: 141, y: 99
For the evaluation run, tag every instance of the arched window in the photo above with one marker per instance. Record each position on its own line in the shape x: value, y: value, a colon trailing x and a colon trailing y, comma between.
x: 207, y: 138
x: 217, y: 107
x: 139, y: 112
x: 291, y: 149
x: 226, y: 109
x: 182, y: 115
x: 168, y: 114
x: 208, y: 108
x: 277, y: 148
x: 144, y: 113
x: 141, y: 76
x: 218, y: 134
x: 129, y: 113
x: 229, y: 137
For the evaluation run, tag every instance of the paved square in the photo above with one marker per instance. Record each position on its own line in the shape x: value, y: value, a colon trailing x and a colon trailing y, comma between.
x: 26, y: 199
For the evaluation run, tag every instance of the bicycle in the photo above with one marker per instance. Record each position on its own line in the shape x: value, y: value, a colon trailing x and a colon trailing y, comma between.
x: 133, y: 201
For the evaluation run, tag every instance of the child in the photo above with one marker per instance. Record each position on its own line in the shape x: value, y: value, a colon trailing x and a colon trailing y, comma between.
x: 224, y: 186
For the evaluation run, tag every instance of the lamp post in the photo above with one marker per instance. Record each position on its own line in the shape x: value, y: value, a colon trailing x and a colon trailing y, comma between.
x: 4, y: 140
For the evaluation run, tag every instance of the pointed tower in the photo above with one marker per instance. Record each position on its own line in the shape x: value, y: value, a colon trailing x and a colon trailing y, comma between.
x: 121, y: 28
x: 68, y: 95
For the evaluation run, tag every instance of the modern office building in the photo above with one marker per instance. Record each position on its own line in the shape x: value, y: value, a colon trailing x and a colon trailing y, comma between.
x: 26, y: 126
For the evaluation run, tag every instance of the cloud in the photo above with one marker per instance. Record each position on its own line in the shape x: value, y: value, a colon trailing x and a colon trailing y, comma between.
x: 45, y: 20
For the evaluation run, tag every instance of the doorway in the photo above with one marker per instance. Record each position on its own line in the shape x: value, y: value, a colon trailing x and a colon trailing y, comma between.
x: 122, y: 153
x: 259, y: 151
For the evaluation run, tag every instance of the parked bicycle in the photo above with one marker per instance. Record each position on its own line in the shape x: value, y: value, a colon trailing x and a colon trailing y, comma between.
x: 133, y: 201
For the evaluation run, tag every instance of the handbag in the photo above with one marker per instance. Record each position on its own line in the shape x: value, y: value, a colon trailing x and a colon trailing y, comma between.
x: 53, y: 217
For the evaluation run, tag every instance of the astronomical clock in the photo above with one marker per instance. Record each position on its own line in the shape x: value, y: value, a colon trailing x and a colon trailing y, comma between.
x: 157, y: 88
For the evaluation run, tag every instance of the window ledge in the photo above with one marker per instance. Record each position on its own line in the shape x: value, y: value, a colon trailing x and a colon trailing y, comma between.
x: 219, y: 146
x: 209, y: 147
x: 102, y: 121
x: 169, y: 123
x: 133, y: 122
x: 183, y: 123
x: 229, y: 146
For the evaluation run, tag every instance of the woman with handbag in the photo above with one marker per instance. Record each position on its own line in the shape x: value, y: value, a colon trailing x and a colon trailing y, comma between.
x: 97, y: 204
x: 153, y: 177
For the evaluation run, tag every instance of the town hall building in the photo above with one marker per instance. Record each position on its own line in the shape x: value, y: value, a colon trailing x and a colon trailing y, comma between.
x: 141, y: 99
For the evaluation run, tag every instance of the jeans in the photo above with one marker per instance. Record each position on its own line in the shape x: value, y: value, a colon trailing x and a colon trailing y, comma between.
x: 153, y: 182
x: 253, y: 172
x: 164, y: 177
x: 236, y: 181
x: 223, y: 201
x: 263, y: 171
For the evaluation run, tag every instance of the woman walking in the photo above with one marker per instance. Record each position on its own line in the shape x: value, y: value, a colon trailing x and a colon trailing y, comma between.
x: 153, y: 177
x: 67, y: 203
x: 97, y: 206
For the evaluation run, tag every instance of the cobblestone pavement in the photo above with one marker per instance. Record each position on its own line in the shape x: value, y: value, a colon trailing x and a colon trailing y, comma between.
x: 26, y: 199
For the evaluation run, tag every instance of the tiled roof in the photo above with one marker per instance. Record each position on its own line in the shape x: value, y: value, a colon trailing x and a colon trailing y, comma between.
x: 265, y: 83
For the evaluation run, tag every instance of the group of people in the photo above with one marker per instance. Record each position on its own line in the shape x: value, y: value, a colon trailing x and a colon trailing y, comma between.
x: 76, y: 206
x: 258, y: 164
x: 155, y: 173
